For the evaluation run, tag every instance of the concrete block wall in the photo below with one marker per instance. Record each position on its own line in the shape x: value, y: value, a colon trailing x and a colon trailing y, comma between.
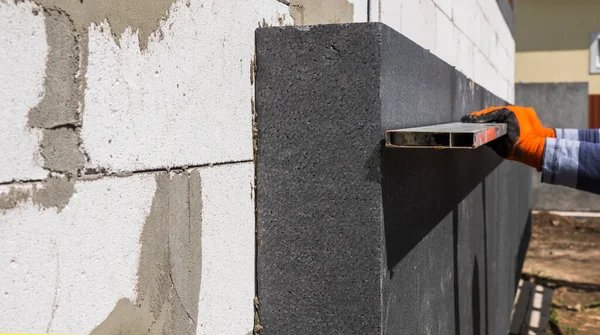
x: 150, y: 246
x: 471, y: 35
x: 126, y: 175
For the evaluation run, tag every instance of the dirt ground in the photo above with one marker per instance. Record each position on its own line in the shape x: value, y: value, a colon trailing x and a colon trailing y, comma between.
x: 564, y: 254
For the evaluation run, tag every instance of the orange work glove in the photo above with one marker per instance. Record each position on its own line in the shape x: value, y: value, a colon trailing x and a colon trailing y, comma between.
x: 525, y: 136
x: 531, y: 115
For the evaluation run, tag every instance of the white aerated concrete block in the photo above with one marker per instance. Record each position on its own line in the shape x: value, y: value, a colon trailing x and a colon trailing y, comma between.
x: 445, y: 6
x: 501, y: 87
x: 473, y: 30
x: 506, y: 38
x: 494, y: 81
x: 187, y: 99
x: 465, y: 59
x: 63, y: 272
x: 487, y: 37
x: 445, y: 40
x: 375, y: 10
x: 511, y: 92
x: 418, y: 22
x: 501, y: 61
x: 471, y: 35
x: 23, y: 51
x: 360, y: 10
x: 480, y: 70
x: 490, y: 10
x: 390, y: 13
x: 466, y: 17
x: 496, y: 20
x: 509, y: 69
x: 228, y: 225
x: 495, y: 53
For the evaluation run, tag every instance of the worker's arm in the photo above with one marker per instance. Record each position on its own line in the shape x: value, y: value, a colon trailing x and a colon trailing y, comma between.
x: 525, y: 137
x: 572, y: 163
x: 582, y: 135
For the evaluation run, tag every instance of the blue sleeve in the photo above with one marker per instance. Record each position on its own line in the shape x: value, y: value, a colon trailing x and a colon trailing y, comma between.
x: 573, y: 164
x: 582, y: 135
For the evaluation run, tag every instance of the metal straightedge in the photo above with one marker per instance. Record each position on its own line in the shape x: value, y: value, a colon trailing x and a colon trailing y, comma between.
x: 445, y: 136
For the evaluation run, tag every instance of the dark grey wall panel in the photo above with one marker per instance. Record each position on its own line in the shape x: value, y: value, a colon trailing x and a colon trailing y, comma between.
x: 507, y: 228
x: 319, y: 212
x: 355, y: 238
x: 559, y: 105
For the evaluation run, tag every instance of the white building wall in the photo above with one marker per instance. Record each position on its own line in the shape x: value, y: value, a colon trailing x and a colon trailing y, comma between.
x: 471, y: 35
x: 158, y: 151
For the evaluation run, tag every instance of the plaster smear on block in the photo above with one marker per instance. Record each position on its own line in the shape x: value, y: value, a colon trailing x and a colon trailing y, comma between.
x: 186, y: 99
x: 142, y: 15
x: 58, y: 111
x: 22, y: 68
x: 168, y: 278
x: 55, y: 191
x: 63, y: 272
x: 60, y: 103
x: 311, y: 12
x: 227, y: 286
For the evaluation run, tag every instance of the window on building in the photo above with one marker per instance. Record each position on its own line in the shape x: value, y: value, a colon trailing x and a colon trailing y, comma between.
x: 595, y: 53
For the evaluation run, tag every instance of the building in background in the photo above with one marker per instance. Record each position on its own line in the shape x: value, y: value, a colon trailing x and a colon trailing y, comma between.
x: 557, y: 42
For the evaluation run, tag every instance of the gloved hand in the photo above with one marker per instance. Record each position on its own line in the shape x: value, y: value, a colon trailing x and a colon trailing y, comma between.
x: 525, y: 138
x: 531, y: 115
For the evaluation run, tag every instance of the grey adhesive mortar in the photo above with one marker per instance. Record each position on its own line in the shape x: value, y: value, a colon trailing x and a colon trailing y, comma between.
x: 57, y: 116
x: 170, y: 265
x: 305, y: 12
x: 356, y: 238
x: 60, y: 149
x: 141, y: 16
x: 54, y: 191
x: 59, y: 113
x: 60, y: 103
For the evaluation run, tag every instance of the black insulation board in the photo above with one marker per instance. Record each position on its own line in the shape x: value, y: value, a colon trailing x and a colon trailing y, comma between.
x: 354, y: 238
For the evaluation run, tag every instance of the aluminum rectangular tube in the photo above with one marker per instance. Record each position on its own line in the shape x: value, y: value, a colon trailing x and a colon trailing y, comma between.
x: 445, y: 136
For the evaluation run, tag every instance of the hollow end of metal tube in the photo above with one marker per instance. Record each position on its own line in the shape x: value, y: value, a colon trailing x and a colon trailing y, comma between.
x: 450, y: 135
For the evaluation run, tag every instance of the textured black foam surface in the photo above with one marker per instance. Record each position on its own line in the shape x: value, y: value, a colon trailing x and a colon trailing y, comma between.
x: 354, y: 238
